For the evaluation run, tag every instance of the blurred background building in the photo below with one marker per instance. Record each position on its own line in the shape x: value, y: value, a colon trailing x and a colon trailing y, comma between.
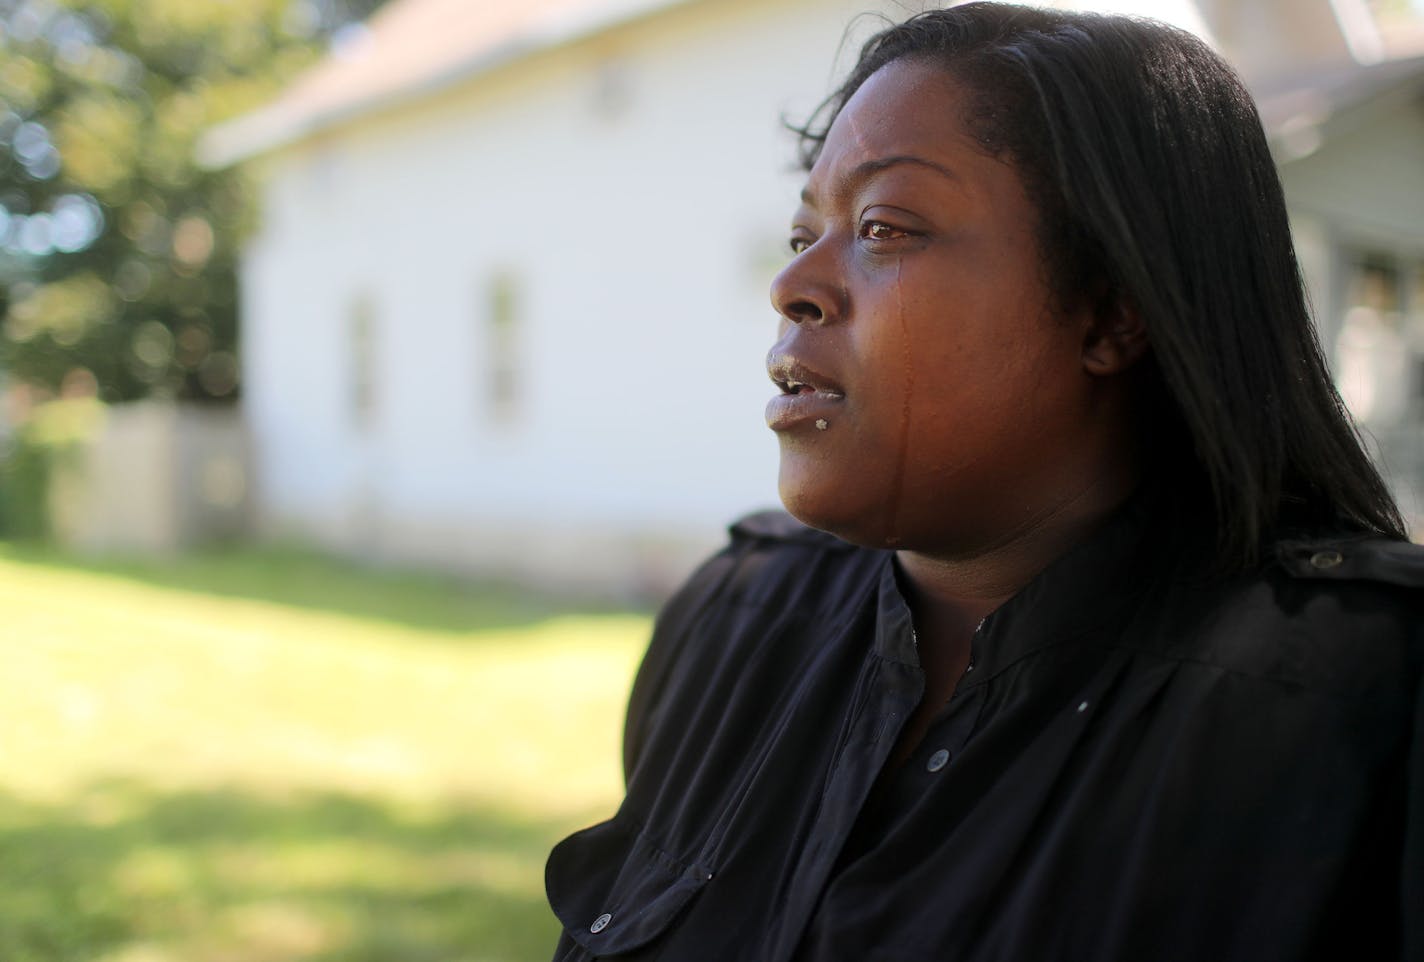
x: 504, y: 306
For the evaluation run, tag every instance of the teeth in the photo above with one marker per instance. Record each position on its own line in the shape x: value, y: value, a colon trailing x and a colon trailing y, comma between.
x: 790, y: 386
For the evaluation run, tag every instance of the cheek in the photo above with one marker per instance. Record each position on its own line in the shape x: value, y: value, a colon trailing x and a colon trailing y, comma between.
x: 976, y: 381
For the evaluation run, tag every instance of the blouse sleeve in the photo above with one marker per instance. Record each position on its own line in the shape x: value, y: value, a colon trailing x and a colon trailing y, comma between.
x: 672, y: 632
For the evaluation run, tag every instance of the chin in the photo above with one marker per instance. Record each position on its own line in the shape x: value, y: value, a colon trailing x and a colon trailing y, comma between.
x: 832, y: 509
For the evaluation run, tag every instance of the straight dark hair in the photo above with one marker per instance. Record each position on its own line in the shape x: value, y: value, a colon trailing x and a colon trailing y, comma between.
x: 1156, y: 189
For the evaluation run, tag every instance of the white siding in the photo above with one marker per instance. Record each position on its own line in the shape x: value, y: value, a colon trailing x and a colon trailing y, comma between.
x: 637, y: 186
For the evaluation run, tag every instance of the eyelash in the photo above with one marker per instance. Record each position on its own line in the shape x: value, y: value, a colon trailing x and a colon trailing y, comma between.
x: 864, y: 232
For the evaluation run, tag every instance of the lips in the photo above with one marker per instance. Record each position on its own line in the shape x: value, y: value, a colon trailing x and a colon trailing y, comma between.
x: 806, y: 394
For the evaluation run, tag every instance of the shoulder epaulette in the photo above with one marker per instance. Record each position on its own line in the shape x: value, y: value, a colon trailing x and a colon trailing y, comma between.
x: 1355, y: 559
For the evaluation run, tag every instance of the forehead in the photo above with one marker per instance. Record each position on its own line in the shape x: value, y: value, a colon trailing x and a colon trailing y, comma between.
x: 906, y: 108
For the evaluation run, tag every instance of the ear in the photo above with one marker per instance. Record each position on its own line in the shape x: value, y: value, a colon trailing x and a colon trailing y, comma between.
x: 1115, y: 338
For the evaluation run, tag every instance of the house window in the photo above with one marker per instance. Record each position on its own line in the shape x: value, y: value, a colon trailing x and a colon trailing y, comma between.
x: 362, y: 330
x: 502, y: 317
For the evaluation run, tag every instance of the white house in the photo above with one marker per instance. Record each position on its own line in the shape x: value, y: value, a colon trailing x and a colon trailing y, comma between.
x: 506, y: 309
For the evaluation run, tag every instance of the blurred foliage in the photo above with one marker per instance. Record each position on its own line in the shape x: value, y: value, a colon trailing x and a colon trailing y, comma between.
x: 117, y: 252
x: 53, y: 432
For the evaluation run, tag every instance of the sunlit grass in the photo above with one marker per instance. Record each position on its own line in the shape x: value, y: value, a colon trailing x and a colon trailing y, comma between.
x: 222, y: 760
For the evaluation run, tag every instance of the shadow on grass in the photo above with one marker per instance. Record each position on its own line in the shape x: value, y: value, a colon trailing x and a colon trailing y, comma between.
x: 310, y: 580
x: 121, y: 871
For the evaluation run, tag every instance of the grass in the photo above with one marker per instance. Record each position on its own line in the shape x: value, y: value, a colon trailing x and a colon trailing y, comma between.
x: 267, y: 756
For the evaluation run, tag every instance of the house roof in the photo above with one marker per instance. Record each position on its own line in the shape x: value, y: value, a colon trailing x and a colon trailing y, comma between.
x: 411, y: 49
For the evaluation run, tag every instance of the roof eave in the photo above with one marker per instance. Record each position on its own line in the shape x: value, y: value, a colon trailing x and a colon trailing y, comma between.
x: 269, y: 128
x: 276, y: 126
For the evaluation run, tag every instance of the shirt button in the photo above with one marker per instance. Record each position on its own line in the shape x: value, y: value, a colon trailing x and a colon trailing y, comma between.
x: 1326, y: 559
x: 937, y: 761
x: 600, y: 923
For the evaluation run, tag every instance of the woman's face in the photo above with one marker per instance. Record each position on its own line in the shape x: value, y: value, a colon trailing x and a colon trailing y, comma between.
x: 934, y: 394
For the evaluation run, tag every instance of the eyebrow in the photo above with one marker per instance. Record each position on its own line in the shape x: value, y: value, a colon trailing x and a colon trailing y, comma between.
x: 866, y: 169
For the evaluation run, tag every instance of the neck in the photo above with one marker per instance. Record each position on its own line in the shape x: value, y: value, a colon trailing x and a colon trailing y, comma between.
x: 951, y: 592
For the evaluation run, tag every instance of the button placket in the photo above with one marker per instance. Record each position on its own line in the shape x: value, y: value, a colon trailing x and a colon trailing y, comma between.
x: 969, y: 668
x: 950, y: 733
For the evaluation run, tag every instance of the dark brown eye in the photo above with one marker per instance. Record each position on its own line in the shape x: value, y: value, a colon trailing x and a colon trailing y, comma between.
x: 875, y: 230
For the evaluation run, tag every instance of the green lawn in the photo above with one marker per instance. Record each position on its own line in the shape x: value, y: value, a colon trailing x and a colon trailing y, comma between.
x: 260, y: 757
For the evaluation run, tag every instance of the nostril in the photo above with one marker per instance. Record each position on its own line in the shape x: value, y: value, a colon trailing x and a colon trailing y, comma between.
x: 799, y: 311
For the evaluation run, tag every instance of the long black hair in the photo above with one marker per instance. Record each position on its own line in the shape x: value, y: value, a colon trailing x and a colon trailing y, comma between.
x: 1146, y: 159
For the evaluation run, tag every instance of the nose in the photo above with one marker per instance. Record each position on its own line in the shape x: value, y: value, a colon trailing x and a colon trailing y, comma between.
x: 801, y: 293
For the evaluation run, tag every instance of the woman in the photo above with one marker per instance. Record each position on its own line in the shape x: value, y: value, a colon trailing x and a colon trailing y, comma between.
x: 1098, y: 637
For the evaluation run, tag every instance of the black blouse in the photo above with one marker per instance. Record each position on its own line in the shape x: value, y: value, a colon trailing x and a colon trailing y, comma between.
x: 1135, y: 767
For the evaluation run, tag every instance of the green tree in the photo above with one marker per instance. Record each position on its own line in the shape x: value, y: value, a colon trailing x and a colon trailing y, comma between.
x: 117, y: 251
